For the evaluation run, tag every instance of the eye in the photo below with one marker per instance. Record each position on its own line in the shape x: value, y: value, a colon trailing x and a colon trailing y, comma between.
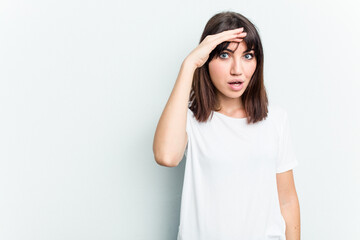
x: 250, y: 54
x: 222, y: 54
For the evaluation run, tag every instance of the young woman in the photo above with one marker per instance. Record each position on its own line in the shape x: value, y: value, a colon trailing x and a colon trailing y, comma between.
x: 238, y: 182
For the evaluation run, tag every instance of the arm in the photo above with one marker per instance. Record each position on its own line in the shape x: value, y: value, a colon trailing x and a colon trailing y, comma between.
x: 289, y: 204
x: 170, y: 136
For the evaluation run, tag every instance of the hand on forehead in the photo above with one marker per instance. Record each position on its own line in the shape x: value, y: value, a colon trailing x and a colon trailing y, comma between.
x: 235, y: 46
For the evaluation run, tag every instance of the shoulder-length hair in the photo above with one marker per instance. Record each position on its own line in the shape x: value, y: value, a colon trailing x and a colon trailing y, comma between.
x: 203, y: 100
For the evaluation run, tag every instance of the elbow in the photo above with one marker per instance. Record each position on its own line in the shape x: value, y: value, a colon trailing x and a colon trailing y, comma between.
x: 166, y: 158
x: 166, y: 161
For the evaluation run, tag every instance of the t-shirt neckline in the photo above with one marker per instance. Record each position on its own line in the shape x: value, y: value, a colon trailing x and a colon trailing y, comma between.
x: 232, y: 118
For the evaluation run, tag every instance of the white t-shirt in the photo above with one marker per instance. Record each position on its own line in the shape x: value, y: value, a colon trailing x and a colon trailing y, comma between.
x: 230, y: 189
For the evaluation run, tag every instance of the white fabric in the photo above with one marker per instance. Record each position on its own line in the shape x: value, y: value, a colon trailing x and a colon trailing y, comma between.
x: 230, y: 190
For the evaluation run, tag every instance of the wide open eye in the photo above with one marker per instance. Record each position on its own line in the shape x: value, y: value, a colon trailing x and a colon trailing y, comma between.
x: 251, y: 56
x: 223, y: 53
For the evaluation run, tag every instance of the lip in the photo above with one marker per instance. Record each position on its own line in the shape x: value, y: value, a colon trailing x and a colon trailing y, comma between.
x: 236, y: 80
x: 236, y: 88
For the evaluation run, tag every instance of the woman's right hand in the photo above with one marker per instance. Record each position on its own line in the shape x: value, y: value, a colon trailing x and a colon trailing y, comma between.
x: 201, y: 53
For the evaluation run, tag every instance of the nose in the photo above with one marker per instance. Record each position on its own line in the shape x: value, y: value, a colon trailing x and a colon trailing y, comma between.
x: 236, y: 68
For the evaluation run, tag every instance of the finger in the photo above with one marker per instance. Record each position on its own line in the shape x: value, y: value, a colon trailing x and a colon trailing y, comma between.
x: 223, y: 38
x: 236, y: 30
x: 235, y: 40
x: 229, y: 33
x: 235, y: 37
x: 226, y: 35
x: 233, y: 34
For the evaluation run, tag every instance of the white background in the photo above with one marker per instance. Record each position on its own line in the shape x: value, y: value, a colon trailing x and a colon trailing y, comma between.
x: 82, y: 87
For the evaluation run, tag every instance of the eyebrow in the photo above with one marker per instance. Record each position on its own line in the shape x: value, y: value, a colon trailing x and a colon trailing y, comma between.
x: 243, y: 52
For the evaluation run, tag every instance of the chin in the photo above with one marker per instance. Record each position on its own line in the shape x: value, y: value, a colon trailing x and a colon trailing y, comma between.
x: 234, y: 94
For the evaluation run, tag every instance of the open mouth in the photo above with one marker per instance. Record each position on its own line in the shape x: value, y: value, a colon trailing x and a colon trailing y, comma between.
x: 236, y: 83
x: 236, y: 86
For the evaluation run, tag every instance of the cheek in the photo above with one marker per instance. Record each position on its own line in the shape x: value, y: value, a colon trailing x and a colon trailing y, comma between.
x: 216, y: 70
x: 251, y: 69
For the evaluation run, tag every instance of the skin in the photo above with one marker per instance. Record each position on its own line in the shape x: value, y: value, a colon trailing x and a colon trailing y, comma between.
x: 228, y: 66
x: 289, y: 204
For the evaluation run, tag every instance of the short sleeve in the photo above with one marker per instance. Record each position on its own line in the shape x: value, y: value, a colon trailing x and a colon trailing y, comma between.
x: 189, y: 117
x: 186, y: 149
x: 286, y: 157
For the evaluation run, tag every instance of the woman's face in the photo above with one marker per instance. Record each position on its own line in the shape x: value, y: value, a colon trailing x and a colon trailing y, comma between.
x: 230, y: 66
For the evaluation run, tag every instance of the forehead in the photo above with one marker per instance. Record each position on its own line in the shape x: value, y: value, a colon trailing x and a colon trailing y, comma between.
x: 237, y: 47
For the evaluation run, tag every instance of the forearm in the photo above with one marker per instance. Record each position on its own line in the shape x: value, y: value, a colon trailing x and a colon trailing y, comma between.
x: 291, y: 214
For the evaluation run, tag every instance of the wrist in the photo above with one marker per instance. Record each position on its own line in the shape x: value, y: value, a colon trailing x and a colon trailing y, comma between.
x: 188, y: 64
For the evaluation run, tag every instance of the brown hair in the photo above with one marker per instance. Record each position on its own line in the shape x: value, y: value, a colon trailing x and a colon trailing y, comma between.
x: 203, y: 98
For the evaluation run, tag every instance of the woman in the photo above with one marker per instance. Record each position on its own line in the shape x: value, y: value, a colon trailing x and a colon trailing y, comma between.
x: 238, y: 180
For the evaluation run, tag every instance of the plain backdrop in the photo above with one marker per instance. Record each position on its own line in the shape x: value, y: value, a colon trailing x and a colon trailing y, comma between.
x: 82, y: 87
